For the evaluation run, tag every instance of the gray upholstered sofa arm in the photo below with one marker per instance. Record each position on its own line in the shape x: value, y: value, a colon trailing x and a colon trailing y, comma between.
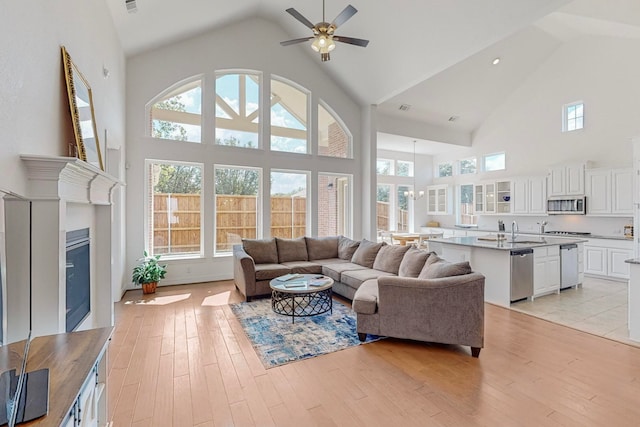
x: 244, y: 271
x: 447, y: 310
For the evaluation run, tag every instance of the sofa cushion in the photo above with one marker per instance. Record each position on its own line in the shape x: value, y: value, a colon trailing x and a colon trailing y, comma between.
x: 436, y: 267
x: 292, y: 249
x: 366, y: 253
x: 335, y: 270
x: 365, y: 301
x: 355, y: 278
x: 263, y: 251
x: 303, y: 267
x: 270, y: 271
x: 389, y: 258
x: 322, y: 247
x: 329, y: 261
x: 346, y: 248
x: 413, y: 262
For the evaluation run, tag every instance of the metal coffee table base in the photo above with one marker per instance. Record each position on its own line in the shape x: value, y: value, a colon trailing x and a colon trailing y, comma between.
x: 302, y: 304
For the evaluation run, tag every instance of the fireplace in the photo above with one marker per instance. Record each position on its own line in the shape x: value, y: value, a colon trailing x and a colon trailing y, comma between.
x: 78, y: 289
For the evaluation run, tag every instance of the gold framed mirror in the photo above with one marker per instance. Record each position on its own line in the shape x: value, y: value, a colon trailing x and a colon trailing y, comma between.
x: 82, y: 113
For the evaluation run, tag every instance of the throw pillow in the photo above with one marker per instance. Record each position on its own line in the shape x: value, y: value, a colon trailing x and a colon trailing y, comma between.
x: 389, y: 258
x: 436, y: 268
x: 366, y: 253
x: 292, y: 249
x: 322, y: 247
x: 346, y: 248
x: 412, y: 262
x: 263, y: 251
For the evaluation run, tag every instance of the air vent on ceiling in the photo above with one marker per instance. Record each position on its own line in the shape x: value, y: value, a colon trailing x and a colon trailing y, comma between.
x: 404, y: 107
x: 131, y: 6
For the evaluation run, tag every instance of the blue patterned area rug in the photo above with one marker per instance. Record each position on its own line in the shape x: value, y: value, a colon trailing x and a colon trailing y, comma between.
x: 278, y: 341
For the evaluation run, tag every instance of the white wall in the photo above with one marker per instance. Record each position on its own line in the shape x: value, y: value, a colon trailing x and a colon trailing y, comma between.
x: 602, y: 72
x: 252, y: 45
x: 34, y: 111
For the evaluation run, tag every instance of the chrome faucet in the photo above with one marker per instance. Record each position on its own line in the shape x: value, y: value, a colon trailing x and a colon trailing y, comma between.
x: 542, y: 225
x: 514, y: 230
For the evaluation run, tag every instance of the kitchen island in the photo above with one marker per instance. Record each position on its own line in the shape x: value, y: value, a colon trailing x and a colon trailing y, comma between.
x: 492, y: 258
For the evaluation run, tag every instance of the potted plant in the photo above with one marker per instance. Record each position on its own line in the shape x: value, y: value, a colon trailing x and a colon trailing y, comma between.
x: 148, y: 272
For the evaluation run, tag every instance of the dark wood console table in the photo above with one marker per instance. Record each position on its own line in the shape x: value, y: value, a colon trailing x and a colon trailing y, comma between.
x: 77, y: 368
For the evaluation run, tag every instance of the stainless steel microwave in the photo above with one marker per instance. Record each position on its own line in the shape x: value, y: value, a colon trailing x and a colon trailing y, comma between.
x: 567, y: 205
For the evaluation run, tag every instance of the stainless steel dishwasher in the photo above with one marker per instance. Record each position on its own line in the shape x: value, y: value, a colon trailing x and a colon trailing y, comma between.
x: 521, y: 274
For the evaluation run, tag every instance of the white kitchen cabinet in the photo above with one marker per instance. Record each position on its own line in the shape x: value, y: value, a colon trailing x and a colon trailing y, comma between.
x: 529, y: 196
x: 605, y: 257
x: 609, y: 192
x: 490, y: 198
x: 546, y: 270
x: 438, y: 200
x: 503, y: 197
x: 566, y: 180
x: 478, y: 198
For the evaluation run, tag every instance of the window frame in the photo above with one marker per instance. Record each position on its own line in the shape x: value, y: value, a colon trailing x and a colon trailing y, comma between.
x: 565, y: 116
x: 308, y: 95
x: 148, y: 207
x: 309, y: 195
x: 458, y: 203
x: 437, y: 171
x: 391, y: 162
x: 484, y: 161
x: 343, y: 126
x: 169, y: 92
x: 459, y: 164
x: 259, y: 205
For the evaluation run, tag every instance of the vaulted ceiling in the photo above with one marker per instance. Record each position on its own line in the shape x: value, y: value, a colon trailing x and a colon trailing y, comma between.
x: 433, y: 55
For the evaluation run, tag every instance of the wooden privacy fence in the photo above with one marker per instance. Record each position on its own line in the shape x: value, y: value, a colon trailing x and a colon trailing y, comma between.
x: 383, y: 219
x: 177, y: 221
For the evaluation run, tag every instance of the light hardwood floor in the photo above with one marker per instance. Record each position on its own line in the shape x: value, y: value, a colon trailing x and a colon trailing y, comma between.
x: 180, y: 358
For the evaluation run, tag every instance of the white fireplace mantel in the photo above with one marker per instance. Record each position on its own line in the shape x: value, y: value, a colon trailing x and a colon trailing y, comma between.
x: 65, y: 194
x: 68, y: 178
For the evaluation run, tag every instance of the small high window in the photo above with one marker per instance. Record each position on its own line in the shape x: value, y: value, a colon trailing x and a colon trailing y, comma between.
x: 384, y: 167
x: 493, y: 162
x: 404, y: 168
x: 445, y: 169
x: 468, y: 166
x: 573, y: 116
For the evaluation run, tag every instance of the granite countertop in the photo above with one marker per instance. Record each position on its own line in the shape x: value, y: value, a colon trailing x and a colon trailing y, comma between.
x: 522, y: 242
x: 590, y: 236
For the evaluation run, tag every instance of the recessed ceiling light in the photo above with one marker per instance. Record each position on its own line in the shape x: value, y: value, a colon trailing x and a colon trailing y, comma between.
x: 496, y: 61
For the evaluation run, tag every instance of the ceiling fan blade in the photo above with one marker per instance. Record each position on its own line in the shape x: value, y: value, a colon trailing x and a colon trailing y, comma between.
x: 344, y: 16
x: 351, y: 40
x: 294, y: 41
x: 300, y: 18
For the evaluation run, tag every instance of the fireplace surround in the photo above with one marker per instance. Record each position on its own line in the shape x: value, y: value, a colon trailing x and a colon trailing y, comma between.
x: 66, y: 194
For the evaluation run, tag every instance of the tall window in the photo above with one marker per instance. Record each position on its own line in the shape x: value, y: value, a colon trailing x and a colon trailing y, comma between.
x: 237, y: 193
x: 237, y: 109
x: 288, y: 204
x: 288, y: 117
x: 402, y: 208
x: 573, y: 116
x: 174, y: 208
x: 334, y: 204
x: 333, y: 138
x: 383, y: 207
x: 466, y: 206
x: 177, y: 114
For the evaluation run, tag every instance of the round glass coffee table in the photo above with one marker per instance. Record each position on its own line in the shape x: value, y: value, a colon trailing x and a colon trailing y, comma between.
x: 302, y: 296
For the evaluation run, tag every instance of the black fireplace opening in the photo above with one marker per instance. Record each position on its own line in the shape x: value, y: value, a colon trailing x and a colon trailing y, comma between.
x: 78, y: 277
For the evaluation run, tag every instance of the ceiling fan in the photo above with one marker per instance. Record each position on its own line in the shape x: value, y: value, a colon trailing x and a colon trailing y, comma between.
x: 323, y: 32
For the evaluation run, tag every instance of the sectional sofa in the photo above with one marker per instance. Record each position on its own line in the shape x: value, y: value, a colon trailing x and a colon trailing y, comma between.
x: 397, y: 291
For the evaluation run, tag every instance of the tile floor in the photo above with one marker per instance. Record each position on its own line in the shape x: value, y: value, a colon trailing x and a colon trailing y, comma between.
x: 598, y: 307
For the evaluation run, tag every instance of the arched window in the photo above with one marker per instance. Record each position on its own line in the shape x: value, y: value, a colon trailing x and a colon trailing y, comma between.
x: 334, y: 140
x: 237, y: 109
x: 177, y: 113
x: 289, y: 117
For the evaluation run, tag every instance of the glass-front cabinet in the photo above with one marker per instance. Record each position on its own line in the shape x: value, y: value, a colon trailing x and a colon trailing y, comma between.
x: 438, y: 200
x: 478, y: 198
x: 503, y: 197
